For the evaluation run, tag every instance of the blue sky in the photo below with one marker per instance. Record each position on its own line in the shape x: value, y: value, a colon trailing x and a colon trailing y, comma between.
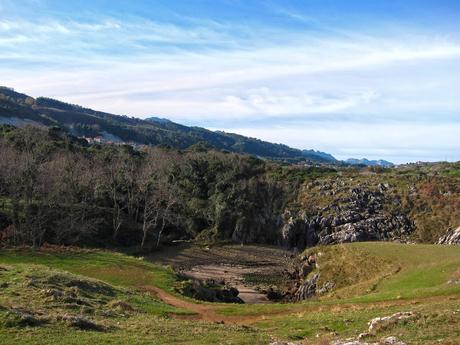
x: 363, y: 78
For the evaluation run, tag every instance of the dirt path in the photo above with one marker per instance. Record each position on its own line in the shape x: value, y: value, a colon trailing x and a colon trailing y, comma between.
x: 204, y: 312
x: 208, y: 313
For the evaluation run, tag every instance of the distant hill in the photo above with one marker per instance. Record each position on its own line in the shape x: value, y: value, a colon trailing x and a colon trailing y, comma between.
x: 319, y: 155
x: 20, y: 109
x: 381, y: 163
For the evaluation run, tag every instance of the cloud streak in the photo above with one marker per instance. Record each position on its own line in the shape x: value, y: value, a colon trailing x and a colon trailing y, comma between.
x: 209, y: 71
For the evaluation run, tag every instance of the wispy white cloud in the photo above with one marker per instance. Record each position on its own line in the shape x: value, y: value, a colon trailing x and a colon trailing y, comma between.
x: 392, y: 141
x: 202, y: 70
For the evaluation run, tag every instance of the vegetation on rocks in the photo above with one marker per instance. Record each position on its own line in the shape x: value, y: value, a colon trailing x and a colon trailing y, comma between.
x: 56, y: 189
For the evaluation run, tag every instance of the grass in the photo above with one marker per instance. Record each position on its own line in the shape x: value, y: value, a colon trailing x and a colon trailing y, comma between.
x: 382, y: 271
x: 113, y: 268
x: 118, y: 276
x: 372, y: 279
x: 438, y: 321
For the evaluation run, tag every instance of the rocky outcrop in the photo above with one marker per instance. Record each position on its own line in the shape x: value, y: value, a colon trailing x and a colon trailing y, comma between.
x: 360, y: 215
x: 451, y: 237
x: 384, y: 341
x: 209, y: 291
x: 307, y: 289
x: 383, y: 322
x: 307, y: 285
x: 376, y: 325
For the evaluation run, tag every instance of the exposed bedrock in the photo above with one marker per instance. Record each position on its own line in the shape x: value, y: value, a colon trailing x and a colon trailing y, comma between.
x: 451, y: 237
x: 360, y: 216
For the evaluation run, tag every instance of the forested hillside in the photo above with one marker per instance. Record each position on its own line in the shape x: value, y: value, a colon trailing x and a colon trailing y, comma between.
x: 20, y: 109
x: 55, y: 188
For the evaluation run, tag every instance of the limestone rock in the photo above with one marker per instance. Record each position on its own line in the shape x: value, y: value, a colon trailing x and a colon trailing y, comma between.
x: 359, y: 216
x: 384, y: 341
x: 451, y: 237
x: 307, y: 289
x: 376, y: 323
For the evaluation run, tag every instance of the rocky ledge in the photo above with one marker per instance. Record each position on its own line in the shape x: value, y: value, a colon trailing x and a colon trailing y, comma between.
x: 360, y: 215
x: 451, y: 237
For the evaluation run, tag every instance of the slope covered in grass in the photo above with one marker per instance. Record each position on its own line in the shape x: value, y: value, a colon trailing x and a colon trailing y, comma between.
x: 113, y: 268
x: 96, y: 297
x: 383, y: 271
x: 372, y: 279
x: 42, y: 305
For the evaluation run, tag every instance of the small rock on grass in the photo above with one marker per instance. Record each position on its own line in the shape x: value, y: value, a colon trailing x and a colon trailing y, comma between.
x: 383, y: 341
x: 81, y: 323
x: 392, y: 341
x: 378, y: 322
x: 22, y: 318
x: 120, y: 305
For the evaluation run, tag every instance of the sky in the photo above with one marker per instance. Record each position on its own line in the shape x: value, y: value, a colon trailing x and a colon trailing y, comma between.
x: 356, y: 78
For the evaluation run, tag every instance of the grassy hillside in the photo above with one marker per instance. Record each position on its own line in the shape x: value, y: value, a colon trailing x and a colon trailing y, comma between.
x: 373, y: 279
x: 381, y: 271
x: 103, y: 287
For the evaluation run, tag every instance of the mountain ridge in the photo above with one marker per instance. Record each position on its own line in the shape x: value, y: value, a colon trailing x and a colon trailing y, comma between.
x: 20, y: 109
x: 364, y: 161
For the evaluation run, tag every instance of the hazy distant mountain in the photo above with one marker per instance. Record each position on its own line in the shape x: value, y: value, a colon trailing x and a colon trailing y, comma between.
x: 367, y: 162
x: 158, y: 119
x: 20, y: 109
x: 320, y: 155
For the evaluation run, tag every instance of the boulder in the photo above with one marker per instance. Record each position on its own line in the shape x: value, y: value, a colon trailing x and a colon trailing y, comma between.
x: 382, y: 322
x: 391, y: 341
x: 384, y: 341
x: 209, y: 291
x: 451, y: 237
x: 307, y: 289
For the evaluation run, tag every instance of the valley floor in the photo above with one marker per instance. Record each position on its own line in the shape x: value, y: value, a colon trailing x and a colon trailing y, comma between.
x: 73, y: 296
x: 249, y: 268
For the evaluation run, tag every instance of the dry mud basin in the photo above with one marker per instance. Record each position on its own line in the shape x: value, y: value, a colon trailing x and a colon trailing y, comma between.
x: 249, y: 268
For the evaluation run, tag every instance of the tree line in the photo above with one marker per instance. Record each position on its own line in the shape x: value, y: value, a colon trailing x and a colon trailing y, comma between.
x: 55, y: 190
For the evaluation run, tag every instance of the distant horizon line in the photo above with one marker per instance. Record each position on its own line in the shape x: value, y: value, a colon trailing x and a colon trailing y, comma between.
x: 165, y: 117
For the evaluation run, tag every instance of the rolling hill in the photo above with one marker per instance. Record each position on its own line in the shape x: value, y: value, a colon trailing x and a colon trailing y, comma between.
x: 76, y: 296
x: 20, y: 109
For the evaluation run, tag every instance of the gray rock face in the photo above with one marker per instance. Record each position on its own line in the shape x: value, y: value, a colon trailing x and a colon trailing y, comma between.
x: 360, y: 216
x: 307, y: 289
x: 451, y: 237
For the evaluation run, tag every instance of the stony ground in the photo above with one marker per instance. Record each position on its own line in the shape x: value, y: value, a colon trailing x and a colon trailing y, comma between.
x: 251, y: 269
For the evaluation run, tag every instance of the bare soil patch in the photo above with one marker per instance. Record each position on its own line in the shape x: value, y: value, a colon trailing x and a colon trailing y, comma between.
x: 249, y: 268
